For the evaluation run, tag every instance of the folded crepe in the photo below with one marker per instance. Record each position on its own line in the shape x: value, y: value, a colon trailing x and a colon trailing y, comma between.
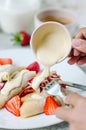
x: 8, y: 71
x: 32, y: 104
x: 15, y: 85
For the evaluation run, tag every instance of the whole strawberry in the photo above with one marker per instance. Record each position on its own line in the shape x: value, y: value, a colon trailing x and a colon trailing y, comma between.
x: 22, y: 38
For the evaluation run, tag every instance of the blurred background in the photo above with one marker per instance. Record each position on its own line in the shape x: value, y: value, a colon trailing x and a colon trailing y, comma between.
x: 23, y: 11
x: 77, y: 6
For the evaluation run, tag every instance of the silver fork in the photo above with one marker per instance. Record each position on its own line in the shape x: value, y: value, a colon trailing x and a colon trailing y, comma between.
x: 54, y: 88
x: 73, y: 85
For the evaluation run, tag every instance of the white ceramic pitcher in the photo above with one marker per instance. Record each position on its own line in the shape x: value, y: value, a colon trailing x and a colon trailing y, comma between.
x: 16, y: 15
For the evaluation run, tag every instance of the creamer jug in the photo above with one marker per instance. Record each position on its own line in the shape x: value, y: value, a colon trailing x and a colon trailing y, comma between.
x: 17, y: 15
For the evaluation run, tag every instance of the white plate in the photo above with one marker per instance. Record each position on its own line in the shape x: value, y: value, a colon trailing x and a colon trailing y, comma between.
x: 25, y: 57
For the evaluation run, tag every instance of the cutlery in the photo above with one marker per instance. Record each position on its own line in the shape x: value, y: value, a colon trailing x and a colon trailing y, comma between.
x: 54, y: 88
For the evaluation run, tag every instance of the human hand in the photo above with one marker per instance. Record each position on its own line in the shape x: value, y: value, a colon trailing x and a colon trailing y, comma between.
x: 78, y: 53
x: 76, y: 116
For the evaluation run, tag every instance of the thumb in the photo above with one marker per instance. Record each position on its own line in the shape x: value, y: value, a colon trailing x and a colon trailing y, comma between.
x: 79, y: 44
x: 72, y: 127
x: 63, y: 113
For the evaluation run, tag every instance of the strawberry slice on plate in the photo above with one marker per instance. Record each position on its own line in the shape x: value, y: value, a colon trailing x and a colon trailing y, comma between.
x: 4, y: 61
x: 13, y: 105
x: 50, y: 105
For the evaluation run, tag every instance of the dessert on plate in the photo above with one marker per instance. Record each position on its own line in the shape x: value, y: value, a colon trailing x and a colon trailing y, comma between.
x: 19, y: 95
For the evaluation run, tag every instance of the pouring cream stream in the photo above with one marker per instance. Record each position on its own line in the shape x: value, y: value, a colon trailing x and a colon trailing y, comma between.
x: 51, y: 43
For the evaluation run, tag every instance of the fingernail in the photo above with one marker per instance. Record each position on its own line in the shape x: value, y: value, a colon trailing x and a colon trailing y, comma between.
x: 76, y: 42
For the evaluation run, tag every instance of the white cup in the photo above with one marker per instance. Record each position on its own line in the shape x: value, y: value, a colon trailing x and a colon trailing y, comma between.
x: 63, y: 16
x: 51, y: 43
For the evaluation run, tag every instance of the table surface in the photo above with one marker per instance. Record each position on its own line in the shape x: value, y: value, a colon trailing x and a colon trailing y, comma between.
x: 5, y: 43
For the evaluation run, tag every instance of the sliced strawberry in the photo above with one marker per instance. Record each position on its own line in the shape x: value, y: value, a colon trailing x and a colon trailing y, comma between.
x: 4, y: 61
x: 50, y: 105
x: 13, y: 105
x: 34, y: 67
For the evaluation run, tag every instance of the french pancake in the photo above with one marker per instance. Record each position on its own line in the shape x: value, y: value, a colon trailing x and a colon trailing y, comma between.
x: 14, y: 86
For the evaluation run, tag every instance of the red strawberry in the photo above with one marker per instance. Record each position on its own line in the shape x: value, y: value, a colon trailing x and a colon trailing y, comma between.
x: 33, y: 67
x: 22, y: 38
x: 13, y: 105
x: 4, y: 61
x: 50, y: 105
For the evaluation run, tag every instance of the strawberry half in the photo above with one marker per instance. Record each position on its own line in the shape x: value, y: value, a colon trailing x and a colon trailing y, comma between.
x: 50, y: 105
x: 22, y: 38
x: 13, y: 105
x: 34, y: 67
x: 4, y: 61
